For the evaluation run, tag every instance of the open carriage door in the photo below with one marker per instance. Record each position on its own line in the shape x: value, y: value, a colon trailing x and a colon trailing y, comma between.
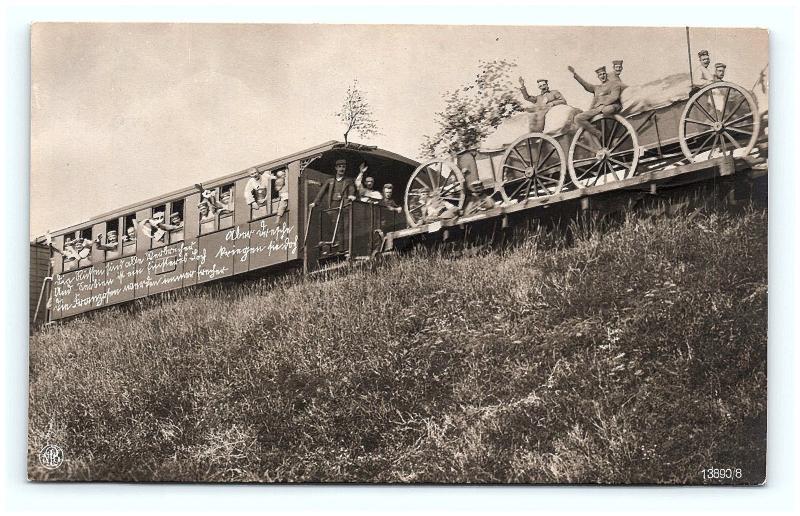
x: 311, y: 183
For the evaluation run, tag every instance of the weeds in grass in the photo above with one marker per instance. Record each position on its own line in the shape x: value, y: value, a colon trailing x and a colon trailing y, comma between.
x: 635, y: 354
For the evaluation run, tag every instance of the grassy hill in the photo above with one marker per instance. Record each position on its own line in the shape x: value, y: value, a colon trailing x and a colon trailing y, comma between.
x: 633, y: 354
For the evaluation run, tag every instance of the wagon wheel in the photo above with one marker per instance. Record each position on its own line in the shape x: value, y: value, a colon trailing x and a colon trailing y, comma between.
x: 437, y: 182
x: 533, y: 166
x: 719, y: 120
x: 611, y: 157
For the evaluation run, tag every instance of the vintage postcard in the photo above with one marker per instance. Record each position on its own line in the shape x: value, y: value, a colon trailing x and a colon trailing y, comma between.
x: 398, y: 254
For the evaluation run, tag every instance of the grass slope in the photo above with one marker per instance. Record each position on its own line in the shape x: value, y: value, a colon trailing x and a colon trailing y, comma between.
x: 635, y: 354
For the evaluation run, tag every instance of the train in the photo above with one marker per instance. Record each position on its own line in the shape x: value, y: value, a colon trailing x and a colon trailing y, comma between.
x: 274, y: 215
x: 207, y: 232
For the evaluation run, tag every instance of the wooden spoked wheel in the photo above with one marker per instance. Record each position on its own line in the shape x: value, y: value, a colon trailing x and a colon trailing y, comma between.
x: 611, y: 156
x: 533, y: 166
x: 435, y: 191
x: 719, y: 120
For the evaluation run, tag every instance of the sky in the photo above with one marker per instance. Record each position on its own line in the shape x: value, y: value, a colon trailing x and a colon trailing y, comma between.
x: 124, y: 112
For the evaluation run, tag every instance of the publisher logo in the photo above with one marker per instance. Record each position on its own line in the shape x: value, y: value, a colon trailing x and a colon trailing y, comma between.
x: 51, y: 456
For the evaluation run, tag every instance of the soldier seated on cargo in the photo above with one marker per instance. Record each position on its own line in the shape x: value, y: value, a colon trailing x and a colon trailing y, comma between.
x: 387, y: 201
x: 434, y: 208
x: 477, y: 199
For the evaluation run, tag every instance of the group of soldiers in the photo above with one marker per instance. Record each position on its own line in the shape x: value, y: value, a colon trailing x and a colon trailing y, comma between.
x: 606, y: 99
x: 257, y: 188
x: 702, y: 75
x: 339, y: 190
x: 155, y: 227
x: 607, y: 94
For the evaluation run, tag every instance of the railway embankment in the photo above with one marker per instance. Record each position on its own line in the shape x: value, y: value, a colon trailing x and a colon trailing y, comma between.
x: 633, y: 353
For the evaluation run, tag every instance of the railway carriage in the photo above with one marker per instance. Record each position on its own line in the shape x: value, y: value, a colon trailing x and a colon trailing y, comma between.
x: 175, y: 241
x: 719, y: 120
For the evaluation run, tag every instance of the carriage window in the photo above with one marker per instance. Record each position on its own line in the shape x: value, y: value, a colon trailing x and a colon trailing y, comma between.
x: 109, y: 242
x: 279, y: 193
x: 154, y: 227
x: 77, y: 249
x: 84, y: 247
x: 258, y: 193
x: 175, y: 222
x: 225, y: 206
x: 207, y: 212
x: 129, y: 236
x: 68, y: 255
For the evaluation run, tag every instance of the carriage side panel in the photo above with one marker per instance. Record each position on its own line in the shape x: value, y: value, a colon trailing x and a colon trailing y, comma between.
x: 312, y: 182
x: 120, y: 280
x: 165, y: 267
x: 242, y: 236
x: 39, y: 268
x: 99, y: 274
x: 293, y: 215
x: 364, y: 219
x: 57, y: 268
x: 658, y: 127
x: 219, y: 255
x: 142, y: 246
x: 76, y: 291
x: 191, y: 230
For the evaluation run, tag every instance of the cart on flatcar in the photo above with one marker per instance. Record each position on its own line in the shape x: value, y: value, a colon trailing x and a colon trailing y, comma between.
x: 720, y: 119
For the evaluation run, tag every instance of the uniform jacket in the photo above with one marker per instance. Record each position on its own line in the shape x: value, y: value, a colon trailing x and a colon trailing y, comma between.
x: 605, y: 94
x: 544, y: 100
x: 333, y: 188
x: 702, y: 76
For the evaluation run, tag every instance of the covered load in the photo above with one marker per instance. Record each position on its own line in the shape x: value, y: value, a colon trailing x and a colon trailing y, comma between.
x: 557, y: 121
x: 655, y: 94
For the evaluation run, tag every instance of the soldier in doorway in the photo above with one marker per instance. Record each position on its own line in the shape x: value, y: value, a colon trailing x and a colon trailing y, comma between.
x: 336, y: 189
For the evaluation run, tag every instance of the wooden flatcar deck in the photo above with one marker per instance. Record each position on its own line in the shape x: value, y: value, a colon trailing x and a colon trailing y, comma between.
x: 647, y: 181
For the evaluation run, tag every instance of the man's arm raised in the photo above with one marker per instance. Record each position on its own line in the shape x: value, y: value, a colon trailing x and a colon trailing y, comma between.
x: 586, y: 86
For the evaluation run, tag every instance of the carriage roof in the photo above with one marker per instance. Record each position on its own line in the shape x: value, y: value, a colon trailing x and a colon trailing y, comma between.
x: 328, y: 151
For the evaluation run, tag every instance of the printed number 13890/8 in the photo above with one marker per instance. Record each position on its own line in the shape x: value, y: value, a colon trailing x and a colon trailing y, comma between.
x: 722, y: 474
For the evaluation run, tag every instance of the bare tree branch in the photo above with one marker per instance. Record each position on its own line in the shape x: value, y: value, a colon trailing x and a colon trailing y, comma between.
x: 356, y: 114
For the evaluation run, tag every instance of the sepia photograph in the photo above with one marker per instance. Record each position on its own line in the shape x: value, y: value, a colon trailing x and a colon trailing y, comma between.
x: 398, y: 254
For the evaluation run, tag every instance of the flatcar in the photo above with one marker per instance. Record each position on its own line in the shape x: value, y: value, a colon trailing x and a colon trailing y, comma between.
x: 719, y: 120
x: 222, y: 228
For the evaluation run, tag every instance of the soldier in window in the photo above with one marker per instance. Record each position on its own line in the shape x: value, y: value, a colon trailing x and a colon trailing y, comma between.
x: 130, y: 234
x: 175, y: 222
x: 111, y: 241
x: 281, y: 187
x: 154, y: 227
x: 225, y: 202
x: 74, y: 250
x: 255, y: 190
